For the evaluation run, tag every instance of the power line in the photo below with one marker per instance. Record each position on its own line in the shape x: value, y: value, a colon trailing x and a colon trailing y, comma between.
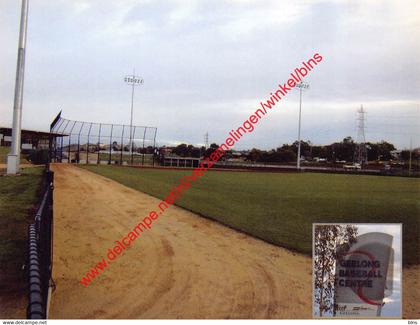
x: 360, y: 155
x: 396, y: 133
x: 395, y: 125
x: 394, y: 116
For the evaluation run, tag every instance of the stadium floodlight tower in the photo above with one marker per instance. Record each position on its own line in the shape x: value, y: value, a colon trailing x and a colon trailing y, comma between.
x: 133, y: 81
x: 302, y: 87
x: 13, y: 158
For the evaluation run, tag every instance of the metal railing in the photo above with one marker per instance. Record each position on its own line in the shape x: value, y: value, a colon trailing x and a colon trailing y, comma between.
x: 39, y: 259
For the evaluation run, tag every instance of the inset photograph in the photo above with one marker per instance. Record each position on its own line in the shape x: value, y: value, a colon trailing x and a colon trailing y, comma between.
x: 357, y: 270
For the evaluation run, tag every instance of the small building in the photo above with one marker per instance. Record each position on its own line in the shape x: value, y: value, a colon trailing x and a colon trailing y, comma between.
x: 176, y: 161
x: 30, y: 139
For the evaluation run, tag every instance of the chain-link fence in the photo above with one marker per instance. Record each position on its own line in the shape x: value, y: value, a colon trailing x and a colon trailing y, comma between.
x: 101, y: 143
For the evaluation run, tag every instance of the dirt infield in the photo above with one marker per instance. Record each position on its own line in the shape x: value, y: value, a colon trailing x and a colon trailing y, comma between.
x: 185, y: 267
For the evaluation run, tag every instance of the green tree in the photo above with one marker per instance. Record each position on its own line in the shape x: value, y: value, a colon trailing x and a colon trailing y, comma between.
x: 255, y: 155
x: 384, y: 150
x: 286, y: 155
x: 210, y: 150
x: 327, y: 238
x: 181, y: 150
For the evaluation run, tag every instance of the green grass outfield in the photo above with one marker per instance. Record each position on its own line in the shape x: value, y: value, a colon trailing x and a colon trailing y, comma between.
x: 18, y: 197
x: 281, y: 207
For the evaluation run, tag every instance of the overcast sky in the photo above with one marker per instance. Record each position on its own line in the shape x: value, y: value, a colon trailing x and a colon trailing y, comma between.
x: 207, y: 64
x: 392, y: 307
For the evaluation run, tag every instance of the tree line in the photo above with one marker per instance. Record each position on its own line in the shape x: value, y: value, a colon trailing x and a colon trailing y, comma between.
x: 337, y: 151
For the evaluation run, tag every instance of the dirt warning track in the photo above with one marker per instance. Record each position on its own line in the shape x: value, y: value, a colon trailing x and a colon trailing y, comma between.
x: 185, y: 267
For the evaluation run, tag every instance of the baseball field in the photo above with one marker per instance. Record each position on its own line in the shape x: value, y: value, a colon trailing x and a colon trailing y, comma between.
x: 189, y: 266
x: 281, y: 207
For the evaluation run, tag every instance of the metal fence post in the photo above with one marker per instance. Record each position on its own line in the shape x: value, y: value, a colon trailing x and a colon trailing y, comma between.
x: 69, y: 151
x: 122, y: 145
x: 87, y: 149
x: 99, y: 144
x: 61, y: 149
x: 142, y: 154
x: 154, y: 148
x: 110, y: 144
x: 132, y: 144
x: 78, y: 144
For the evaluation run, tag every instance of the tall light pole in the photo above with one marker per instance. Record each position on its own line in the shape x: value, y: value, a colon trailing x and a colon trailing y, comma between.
x: 302, y: 86
x: 132, y: 81
x: 13, y: 159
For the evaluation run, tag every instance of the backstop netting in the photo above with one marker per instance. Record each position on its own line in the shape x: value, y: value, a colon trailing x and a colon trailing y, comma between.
x: 101, y: 143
